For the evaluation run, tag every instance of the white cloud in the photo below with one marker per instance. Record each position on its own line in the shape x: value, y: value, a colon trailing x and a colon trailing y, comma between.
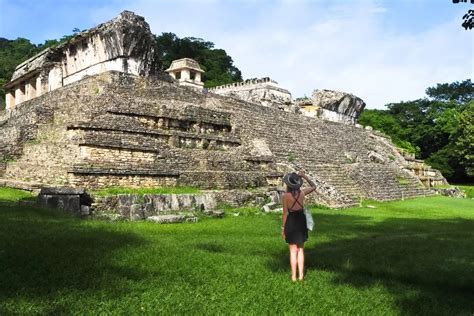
x: 351, y: 51
x: 307, y: 45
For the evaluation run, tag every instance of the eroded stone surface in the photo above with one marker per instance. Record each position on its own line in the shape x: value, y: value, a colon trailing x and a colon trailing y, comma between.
x: 123, y: 44
x: 338, y: 106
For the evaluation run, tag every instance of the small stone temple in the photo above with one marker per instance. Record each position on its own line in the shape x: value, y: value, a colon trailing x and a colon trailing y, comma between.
x: 187, y: 72
x: 94, y: 113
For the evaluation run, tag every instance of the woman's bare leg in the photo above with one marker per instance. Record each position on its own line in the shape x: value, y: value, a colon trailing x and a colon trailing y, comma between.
x: 293, y: 260
x: 300, y: 260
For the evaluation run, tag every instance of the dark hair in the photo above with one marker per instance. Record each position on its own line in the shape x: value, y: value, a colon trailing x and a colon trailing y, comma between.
x: 293, y: 191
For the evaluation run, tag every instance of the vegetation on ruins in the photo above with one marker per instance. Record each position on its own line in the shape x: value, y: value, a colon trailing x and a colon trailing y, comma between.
x: 411, y: 257
x: 218, y: 66
x: 438, y: 128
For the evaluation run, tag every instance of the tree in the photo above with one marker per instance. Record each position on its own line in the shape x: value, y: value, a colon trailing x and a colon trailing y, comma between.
x: 439, y: 128
x: 218, y: 66
x: 468, y: 18
x: 460, y: 92
x: 383, y: 121
x: 465, y: 140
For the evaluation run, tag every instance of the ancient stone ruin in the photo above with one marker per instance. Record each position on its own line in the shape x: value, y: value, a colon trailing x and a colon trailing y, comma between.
x: 263, y: 91
x: 119, y: 125
x: 124, y: 44
x: 187, y: 71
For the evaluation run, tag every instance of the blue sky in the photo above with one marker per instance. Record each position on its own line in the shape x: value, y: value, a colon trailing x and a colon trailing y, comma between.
x: 380, y: 50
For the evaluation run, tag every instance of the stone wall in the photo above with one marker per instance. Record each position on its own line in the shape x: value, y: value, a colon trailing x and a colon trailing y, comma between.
x: 260, y: 91
x: 118, y: 130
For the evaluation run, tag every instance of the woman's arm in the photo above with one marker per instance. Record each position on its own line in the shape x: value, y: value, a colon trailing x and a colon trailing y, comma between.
x: 311, y: 183
x: 284, y: 215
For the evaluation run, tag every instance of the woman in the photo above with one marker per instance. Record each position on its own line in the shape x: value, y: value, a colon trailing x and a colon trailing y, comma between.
x: 294, y: 229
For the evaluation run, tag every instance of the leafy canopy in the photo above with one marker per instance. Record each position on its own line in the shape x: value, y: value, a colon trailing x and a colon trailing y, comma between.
x: 439, y: 128
x: 218, y: 66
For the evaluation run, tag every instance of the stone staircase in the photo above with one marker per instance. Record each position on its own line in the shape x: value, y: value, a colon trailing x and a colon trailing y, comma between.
x: 387, y: 182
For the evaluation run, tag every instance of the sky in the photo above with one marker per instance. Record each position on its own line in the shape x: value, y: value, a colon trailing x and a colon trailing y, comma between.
x: 382, y: 51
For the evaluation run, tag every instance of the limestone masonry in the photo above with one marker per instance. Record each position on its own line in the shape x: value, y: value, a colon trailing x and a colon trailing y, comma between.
x: 123, y: 127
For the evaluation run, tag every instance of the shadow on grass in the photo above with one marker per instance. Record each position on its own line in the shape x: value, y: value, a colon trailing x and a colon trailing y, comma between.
x: 44, y: 254
x: 427, y: 265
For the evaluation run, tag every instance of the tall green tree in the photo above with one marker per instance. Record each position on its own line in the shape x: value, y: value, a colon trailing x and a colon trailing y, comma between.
x: 218, y: 66
x: 460, y: 92
x: 437, y: 128
x: 465, y: 139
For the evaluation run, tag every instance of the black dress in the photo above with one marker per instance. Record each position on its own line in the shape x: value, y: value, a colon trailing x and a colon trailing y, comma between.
x: 296, y: 230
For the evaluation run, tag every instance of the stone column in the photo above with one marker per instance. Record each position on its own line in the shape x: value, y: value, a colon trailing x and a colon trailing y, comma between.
x: 9, y: 100
x: 19, y: 93
x: 31, y: 89
x: 55, y: 79
x: 197, y: 77
x: 185, y: 74
x: 43, y: 83
x: 38, y: 86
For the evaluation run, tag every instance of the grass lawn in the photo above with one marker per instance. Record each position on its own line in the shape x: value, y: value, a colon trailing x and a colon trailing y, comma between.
x: 469, y: 189
x: 413, y: 257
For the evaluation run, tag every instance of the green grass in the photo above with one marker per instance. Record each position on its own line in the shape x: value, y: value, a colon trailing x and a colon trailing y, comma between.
x: 412, y: 257
x: 142, y: 191
x: 469, y: 189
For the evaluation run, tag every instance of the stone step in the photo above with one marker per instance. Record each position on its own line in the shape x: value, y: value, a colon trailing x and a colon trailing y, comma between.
x: 172, y: 218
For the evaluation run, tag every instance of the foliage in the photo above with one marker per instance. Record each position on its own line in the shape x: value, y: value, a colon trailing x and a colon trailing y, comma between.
x: 410, y: 257
x: 468, y: 18
x: 438, y: 128
x: 218, y: 66
x: 460, y: 92
x: 383, y: 121
x: 465, y: 141
x: 468, y: 189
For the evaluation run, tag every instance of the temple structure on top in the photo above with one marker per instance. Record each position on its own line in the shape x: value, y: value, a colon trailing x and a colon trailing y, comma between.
x: 187, y: 71
x: 123, y: 44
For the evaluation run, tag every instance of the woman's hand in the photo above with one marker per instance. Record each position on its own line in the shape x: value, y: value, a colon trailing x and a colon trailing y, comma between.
x: 283, y: 234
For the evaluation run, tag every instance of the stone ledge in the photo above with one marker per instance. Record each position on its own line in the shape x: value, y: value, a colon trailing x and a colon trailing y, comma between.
x: 128, y: 172
x: 22, y: 185
x: 218, y: 118
x: 145, y: 131
x: 137, y: 148
x: 62, y: 191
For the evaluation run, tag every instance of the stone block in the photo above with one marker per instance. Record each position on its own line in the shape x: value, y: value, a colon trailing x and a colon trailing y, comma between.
x: 167, y: 219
